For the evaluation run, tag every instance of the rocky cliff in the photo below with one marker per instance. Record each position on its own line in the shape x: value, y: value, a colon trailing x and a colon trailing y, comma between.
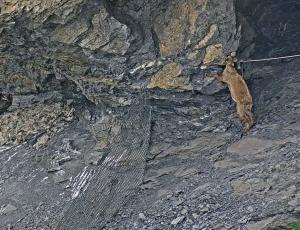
x: 70, y: 70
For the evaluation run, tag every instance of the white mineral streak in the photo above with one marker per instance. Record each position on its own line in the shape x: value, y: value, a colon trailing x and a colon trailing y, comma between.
x: 81, y: 182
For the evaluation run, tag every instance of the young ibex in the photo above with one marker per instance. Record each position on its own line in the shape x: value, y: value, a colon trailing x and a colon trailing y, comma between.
x: 239, y: 91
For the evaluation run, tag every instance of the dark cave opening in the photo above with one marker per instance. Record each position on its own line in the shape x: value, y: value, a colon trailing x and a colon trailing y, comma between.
x: 269, y: 28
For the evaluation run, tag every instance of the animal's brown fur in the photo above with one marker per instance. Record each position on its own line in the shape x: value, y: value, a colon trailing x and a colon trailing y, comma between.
x: 239, y: 92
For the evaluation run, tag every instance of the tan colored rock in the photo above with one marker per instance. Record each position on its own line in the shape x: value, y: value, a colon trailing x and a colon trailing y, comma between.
x: 212, y: 53
x: 35, y: 6
x: 212, y: 30
x: 169, y: 77
x: 241, y: 187
x: 250, y: 146
x: 258, y: 185
x: 252, y: 185
x: 194, y: 14
x: 10, y: 6
x: 7, y: 7
x: 16, y: 126
x: 171, y: 28
x: 172, y: 37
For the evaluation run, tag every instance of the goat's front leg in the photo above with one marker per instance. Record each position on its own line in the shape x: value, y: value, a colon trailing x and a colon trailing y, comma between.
x: 216, y: 75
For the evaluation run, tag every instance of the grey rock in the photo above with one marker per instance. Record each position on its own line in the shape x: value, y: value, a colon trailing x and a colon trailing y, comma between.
x: 8, y: 209
x: 177, y: 220
x: 243, y: 220
x: 108, y: 34
x: 204, y: 210
x: 60, y: 176
x: 183, y: 211
x: 63, y: 159
x: 196, y: 226
x: 195, y: 215
x: 260, y: 224
x: 250, y: 209
x: 94, y: 158
x: 70, y: 32
x: 178, y: 202
x: 142, y: 216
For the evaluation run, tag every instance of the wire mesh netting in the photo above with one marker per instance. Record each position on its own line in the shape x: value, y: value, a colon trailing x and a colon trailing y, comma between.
x: 117, y: 177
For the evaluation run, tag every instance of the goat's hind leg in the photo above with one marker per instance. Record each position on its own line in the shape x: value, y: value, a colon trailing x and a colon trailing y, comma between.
x: 245, y: 115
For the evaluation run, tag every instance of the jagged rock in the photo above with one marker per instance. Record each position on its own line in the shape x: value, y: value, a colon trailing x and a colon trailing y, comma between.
x: 108, y: 34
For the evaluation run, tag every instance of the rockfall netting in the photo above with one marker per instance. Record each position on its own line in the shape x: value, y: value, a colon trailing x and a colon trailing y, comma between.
x: 106, y: 188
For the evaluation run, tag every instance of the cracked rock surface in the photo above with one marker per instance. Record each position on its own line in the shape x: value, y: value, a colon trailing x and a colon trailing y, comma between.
x: 71, y: 69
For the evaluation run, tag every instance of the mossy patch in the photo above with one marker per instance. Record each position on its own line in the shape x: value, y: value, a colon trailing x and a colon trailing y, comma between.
x: 292, y: 226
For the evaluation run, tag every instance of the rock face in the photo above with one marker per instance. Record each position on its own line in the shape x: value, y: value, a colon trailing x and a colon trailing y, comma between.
x: 105, y: 41
x: 71, y: 72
